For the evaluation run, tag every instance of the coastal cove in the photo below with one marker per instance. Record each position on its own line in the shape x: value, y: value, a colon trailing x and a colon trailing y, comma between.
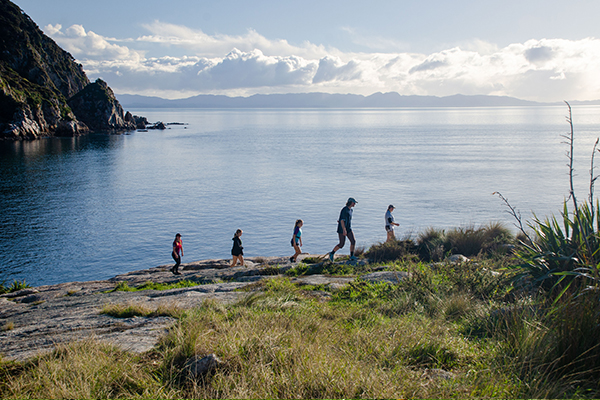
x: 92, y: 207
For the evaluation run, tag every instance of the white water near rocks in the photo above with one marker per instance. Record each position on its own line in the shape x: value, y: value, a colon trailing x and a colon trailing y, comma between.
x: 97, y: 206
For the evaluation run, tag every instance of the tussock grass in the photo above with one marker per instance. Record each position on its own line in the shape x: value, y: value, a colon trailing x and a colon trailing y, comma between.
x: 391, y: 251
x: 8, y: 326
x: 434, y: 244
x: 369, y: 340
x: 129, y: 310
x: 312, y: 350
x: 13, y: 287
x: 82, y: 370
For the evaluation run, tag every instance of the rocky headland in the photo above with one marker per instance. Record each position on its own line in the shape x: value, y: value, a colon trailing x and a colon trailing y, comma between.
x: 35, y: 320
x: 44, y: 91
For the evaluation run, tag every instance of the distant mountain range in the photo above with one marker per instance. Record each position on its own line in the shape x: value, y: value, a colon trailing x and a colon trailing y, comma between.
x: 325, y: 100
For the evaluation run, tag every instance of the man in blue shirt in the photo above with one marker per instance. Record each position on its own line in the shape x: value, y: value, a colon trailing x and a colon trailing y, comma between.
x: 344, y: 229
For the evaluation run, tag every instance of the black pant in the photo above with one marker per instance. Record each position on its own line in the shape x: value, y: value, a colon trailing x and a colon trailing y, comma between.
x: 177, y: 259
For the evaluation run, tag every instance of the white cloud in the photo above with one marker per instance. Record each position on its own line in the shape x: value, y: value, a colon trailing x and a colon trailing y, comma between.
x: 543, y: 70
x: 201, y: 44
x: 88, y: 45
x: 333, y: 69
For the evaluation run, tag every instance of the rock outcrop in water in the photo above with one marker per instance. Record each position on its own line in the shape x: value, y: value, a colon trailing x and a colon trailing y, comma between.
x: 43, y: 91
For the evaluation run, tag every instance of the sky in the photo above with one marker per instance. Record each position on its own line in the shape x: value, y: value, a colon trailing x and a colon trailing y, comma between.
x: 540, y: 50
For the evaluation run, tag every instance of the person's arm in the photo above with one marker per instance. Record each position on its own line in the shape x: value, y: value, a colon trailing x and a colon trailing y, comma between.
x: 181, y: 248
x: 343, y: 223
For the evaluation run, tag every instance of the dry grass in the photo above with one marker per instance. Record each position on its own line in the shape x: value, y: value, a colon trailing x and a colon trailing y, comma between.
x: 367, y: 341
x: 284, y: 347
x: 8, y: 326
x: 128, y: 310
x: 83, y: 370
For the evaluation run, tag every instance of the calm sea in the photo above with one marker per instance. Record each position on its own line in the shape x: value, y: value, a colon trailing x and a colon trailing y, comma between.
x: 92, y: 207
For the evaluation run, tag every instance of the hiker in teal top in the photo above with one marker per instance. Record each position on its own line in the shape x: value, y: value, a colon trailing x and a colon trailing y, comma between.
x: 297, y: 240
x: 344, y: 229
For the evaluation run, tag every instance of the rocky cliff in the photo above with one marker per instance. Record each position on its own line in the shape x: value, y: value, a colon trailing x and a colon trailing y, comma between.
x: 43, y: 91
x: 97, y: 106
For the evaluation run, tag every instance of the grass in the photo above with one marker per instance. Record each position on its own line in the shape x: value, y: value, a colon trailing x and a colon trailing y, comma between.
x: 184, y: 283
x: 280, y: 344
x: 495, y: 338
x: 368, y: 340
x: 15, y: 286
x: 8, y: 326
x: 129, y: 310
x: 82, y: 370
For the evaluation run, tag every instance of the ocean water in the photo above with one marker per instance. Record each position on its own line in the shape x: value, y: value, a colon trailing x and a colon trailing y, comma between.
x: 92, y: 207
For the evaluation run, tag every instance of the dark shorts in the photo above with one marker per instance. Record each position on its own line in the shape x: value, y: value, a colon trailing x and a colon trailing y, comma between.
x: 389, y: 228
x: 349, y: 235
x: 237, y: 252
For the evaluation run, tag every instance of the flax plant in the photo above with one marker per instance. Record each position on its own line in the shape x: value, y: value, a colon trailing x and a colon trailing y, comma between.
x: 566, y: 249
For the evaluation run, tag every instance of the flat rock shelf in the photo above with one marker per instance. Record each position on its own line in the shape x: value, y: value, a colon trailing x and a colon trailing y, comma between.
x: 35, y: 320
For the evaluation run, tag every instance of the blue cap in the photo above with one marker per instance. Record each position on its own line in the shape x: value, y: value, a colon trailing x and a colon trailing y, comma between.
x: 351, y: 200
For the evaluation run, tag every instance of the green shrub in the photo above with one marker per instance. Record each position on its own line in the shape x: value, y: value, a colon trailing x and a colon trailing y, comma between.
x: 16, y: 285
x: 325, y: 268
x: 435, y: 244
x: 431, y: 245
x: 562, y: 251
x: 391, y: 251
x: 312, y: 260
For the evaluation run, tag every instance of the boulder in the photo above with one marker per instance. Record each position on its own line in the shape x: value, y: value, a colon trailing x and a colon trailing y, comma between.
x: 386, y: 276
x: 140, y: 122
x: 197, y: 367
x: 458, y: 258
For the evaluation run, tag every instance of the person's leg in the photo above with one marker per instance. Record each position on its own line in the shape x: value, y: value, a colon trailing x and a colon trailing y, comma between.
x: 297, y: 252
x: 234, y: 261
x: 338, y: 246
x: 241, y: 258
x: 390, y: 235
x: 352, y: 243
x: 177, y: 259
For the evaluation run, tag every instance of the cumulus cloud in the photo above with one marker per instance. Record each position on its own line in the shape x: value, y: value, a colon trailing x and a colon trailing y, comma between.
x: 88, y: 45
x: 539, y: 54
x: 254, y: 69
x: 543, y: 70
x: 333, y: 69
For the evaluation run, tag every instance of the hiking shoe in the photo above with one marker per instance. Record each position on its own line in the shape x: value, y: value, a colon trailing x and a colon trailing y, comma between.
x: 331, y: 256
x: 353, y: 258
